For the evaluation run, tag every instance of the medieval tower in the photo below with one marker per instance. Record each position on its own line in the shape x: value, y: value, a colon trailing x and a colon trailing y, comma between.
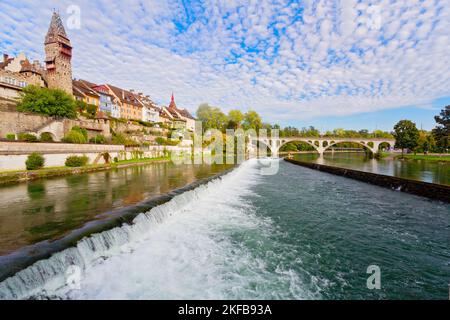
x: 58, y: 56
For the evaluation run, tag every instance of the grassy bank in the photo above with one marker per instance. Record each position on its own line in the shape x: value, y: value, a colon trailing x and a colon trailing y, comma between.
x: 427, y: 157
x: 24, y: 175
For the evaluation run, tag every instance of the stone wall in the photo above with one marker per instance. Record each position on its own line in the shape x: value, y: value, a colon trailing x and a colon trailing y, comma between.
x: 17, y: 122
x: 14, y: 154
x: 15, y: 148
x: 420, y: 188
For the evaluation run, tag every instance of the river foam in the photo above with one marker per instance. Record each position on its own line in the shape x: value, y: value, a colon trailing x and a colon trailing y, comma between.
x: 207, y: 243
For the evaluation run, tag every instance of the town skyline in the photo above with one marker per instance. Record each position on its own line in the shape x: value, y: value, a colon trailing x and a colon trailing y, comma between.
x: 156, y: 66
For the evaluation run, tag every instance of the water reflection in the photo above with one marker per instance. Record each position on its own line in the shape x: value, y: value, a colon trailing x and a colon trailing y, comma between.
x: 435, y: 172
x: 48, y: 209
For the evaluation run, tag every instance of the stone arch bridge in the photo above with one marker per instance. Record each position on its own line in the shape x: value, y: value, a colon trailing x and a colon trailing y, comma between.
x: 321, y: 144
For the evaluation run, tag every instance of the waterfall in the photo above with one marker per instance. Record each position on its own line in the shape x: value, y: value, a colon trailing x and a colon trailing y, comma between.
x: 49, y: 275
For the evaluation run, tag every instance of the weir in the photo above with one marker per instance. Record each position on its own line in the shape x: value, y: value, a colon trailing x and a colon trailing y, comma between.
x: 52, y: 262
x: 420, y: 188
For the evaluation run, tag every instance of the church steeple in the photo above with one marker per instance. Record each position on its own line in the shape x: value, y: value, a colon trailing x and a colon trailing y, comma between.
x: 172, y: 102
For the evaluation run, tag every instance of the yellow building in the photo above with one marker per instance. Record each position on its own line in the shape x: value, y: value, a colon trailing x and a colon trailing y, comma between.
x: 129, y: 104
x: 83, y: 92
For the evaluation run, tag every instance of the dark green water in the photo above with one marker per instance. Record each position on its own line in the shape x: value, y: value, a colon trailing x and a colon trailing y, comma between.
x: 427, y: 171
x: 333, y: 228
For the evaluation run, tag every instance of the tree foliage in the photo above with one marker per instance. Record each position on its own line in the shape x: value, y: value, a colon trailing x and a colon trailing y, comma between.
x: 49, y: 102
x: 252, y: 120
x: 211, y: 117
x: 406, y: 135
x: 441, y: 133
x: 235, y: 118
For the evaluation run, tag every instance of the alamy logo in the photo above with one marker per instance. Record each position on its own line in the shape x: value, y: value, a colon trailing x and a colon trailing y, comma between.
x: 232, y: 147
x: 374, y: 280
x: 74, y: 19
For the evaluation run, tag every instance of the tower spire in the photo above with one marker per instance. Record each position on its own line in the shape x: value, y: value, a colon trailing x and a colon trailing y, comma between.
x: 172, y: 102
x: 56, y: 29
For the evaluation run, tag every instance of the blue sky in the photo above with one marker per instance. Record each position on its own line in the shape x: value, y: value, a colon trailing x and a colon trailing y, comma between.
x: 329, y: 63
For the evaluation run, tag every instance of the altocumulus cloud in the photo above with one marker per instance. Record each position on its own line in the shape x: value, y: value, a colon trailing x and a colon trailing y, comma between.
x: 286, y: 59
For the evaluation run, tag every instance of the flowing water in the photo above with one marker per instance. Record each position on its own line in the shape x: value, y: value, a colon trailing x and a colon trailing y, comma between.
x: 299, y: 234
x: 427, y: 171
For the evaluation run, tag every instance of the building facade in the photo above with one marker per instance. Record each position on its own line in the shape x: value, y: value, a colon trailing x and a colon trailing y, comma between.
x: 129, y: 106
x: 150, y: 111
x: 84, y: 93
x: 108, y: 103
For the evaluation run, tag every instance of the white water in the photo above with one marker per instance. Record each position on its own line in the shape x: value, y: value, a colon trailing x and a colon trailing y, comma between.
x: 191, y: 247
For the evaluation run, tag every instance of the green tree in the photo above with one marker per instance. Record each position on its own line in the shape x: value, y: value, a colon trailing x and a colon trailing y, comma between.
x: 309, y: 132
x: 50, y: 102
x: 406, y: 135
x: 211, y: 117
x: 441, y: 133
x: 236, y: 117
x: 252, y: 120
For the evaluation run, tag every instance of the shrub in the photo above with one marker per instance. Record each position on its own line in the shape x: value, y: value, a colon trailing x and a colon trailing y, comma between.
x: 50, y: 102
x: 27, y: 137
x: 76, y: 161
x: 35, y: 161
x: 166, y: 142
x: 11, y: 136
x: 160, y: 140
x: 116, y: 159
x: 99, y: 139
x: 46, y: 137
x: 123, y: 139
x: 91, y: 109
x: 74, y: 137
x: 83, y: 131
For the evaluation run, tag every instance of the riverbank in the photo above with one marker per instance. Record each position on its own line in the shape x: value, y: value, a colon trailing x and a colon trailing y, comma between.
x: 23, y: 175
x: 426, y: 157
x: 420, y: 188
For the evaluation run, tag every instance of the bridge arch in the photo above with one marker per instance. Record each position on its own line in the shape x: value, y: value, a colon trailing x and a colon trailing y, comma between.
x: 306, y: 141
x: 321, y: 144
x: 361, y: 143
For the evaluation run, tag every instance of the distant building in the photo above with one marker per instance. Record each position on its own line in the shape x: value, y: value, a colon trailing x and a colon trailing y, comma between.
x: 16, y: 73
x: 150, y: 111
x: 130, y: 107
x: 83, y: 92
x: 181, y: 117
x: 108, y: 103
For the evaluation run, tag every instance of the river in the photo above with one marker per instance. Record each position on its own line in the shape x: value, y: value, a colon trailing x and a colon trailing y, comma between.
x: 421, y: 170
x: 48, y: 209
x: 299, y: 234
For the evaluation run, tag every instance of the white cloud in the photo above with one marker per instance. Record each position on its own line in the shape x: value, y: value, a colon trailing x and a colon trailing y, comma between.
x: 263, y: 55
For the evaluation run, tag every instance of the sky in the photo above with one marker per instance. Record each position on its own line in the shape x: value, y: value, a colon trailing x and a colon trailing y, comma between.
x: 329, y: 63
